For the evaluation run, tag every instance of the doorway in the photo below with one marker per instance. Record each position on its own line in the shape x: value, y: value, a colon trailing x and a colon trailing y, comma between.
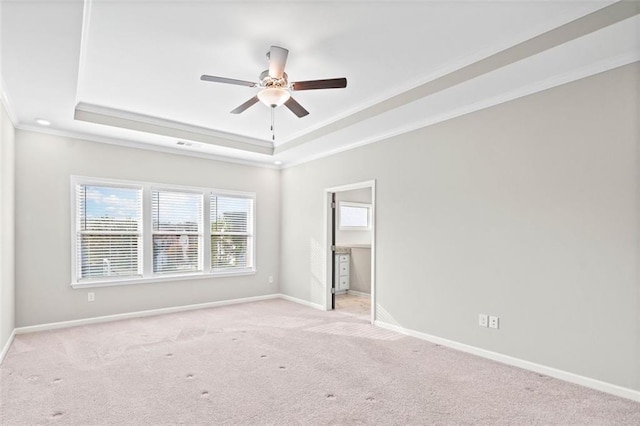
x: 350, y: 237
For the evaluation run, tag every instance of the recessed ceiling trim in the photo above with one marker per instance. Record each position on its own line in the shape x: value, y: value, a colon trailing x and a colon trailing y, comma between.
x: 144, y: 123
x: 84, y: 41
x: 587, y: 24
x: 467, y: 109
x: 141, y: 145
x: 447, y: 68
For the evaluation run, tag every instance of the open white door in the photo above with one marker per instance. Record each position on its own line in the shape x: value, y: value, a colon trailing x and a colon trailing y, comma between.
x: 342, y: 238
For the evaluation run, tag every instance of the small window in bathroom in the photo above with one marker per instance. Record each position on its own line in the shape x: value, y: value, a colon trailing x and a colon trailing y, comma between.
x: 354, y: 216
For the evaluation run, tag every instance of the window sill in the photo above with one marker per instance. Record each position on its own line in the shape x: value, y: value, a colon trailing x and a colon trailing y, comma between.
x: 162, y: 278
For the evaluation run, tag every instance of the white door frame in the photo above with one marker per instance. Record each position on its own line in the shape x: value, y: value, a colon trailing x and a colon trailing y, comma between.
x: 327, y: 240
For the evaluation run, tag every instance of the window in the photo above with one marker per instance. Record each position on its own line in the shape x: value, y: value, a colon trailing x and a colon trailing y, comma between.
x: 128, y: 232
x: 108, y: 231
x: 231, y: 232
x: 177, y: 231
x: 354, y: 216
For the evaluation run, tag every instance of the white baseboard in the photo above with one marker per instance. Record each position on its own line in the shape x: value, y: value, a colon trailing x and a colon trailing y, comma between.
x: 152, y: 312
x: 140, y: 314
x: 538, y: 368
x: 516, y: 362
x: 358, y: 293
x: 7, y: 345
x: 301, y: 302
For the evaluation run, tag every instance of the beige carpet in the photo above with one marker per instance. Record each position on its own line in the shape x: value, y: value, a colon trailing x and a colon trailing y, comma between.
x: 275, y: 362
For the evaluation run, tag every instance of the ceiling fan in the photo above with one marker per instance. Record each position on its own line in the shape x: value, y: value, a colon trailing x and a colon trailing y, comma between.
x: 275, y: 85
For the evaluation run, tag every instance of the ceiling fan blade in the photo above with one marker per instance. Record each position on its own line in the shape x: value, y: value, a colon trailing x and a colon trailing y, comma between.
x: 215, y: 79
x: 296, y: 108
x: 332, y: 83
x: 277, y: 60
x: 245, y: 105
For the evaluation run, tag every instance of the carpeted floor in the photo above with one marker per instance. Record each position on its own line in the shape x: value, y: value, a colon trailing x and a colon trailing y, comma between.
x: 276, y: 362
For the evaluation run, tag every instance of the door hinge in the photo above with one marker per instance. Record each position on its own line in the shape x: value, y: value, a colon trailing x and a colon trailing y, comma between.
x: 333, y: 291
x: 333, y: 248
x: 333, y: 204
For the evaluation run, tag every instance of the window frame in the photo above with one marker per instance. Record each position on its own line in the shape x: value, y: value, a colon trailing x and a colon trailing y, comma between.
x: 353, y: 204
x: 75, y: 232
x: 250, y: 234
x: 200, y: 233
x: 148, y: 276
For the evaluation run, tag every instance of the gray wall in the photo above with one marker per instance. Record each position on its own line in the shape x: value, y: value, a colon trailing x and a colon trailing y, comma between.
x: 44, y: 165
x: 360, y: 270
x: 527, y: 210
x: 347, y: 237
x: 7, y: 217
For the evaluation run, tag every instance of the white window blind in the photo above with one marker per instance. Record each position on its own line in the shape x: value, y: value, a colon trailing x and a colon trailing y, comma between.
x: 126, y: 232
x: 108, y: 231
x: 177, y: 231
x: 231, y: 232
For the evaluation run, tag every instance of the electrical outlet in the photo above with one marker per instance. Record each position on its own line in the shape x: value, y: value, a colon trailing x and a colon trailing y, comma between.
x: 494, y: 322
x: 483, y: 320
x: 91, y: 296
x: 270, y: 279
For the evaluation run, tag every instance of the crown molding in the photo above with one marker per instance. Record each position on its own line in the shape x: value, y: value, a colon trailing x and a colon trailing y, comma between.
x: 6, y: 102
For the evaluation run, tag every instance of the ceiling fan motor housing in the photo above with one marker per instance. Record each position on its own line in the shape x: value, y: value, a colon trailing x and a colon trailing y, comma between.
x: 267, y: 81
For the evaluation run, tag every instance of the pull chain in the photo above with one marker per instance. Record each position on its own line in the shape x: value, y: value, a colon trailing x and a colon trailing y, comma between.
x: 273, y: 126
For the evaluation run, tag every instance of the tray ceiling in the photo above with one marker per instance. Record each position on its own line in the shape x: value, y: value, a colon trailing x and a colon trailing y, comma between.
x: 129, y: 72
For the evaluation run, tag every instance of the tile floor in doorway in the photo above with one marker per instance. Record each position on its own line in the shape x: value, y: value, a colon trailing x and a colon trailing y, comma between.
x: 351, y: 304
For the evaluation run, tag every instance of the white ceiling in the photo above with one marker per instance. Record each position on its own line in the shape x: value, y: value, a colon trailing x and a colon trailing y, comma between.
x: 142, y: 60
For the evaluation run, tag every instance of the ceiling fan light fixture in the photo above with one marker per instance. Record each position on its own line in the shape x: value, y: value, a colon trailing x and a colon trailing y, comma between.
x: 273, y: 96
